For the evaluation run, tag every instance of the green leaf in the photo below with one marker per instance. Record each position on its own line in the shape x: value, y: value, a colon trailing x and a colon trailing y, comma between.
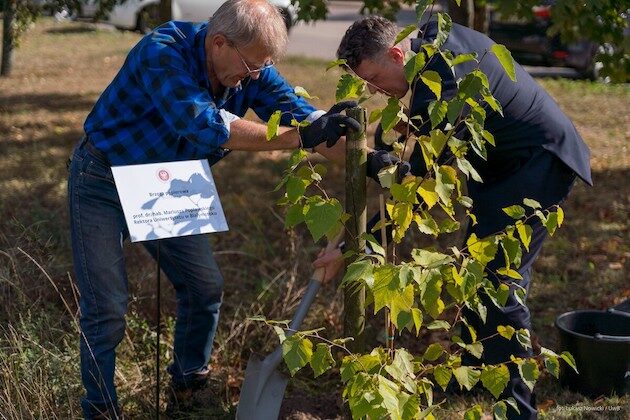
x: 499, y: 409
x: 438, y: 141
x: 297, y: 352
x: 296, y: 188
x: 522, y: 336
x: 402, y: 216
x: 439, y: 324
x: 431, y: 292
x: 568, y: 357
x: 416, y: 315
x: 401, y: 369
x: 437, y: 112
x: 321, y: 215
x: 391, y: 114
x: 426, y: 224
x: 387, y: 292
x: 466, y: 376
x: 408, y: 406
x: 414, y: 63
x: 506, y: 60
x: 476, y: 349
x: 528, y: 369
x: 511, y: 273
x: 552, y: 364
x: 531, y: 203
x: 294, y: 216
x: 506, y: 331
x: 296, y: 158
x: 433, y: 81
x: 359, y: 271
x: 560, y: 213
x: 375, y: 115
x: 495, y: 379
x: 468, y: 170
x: 387, y: 176
x: 405, y: 33
x: 482, y: 250
x: 300, y: 91
x: 445, y: 181
x: 442, y: 375
x: 525, y: 233
x: 426, y: 190
x: 430, y: 259
x: 280, y: 333
x: 405, y: 192
x: 515, y: 211
x: 552, y: 223
x: 422, y: 6
x: 463, y: 58
x: 432, y: 352
x: 336, y: 63
x: 444, y: 28
x: 512, y: 402
x: 322, y: 359
x: 513, y: 252
x: 455, y: 106
x: 349, y: 87
x: 273, y: 124
x: 473, y: 413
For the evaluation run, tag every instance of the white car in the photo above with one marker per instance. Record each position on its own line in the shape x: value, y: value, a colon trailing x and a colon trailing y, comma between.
x: 143, y: 15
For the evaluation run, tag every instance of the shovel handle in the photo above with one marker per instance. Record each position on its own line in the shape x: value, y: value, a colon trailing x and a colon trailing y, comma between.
x: 311, y: 291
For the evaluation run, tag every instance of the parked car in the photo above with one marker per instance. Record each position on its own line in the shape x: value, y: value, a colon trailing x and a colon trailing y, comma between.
x: 143, y: 15
x: 529, y: 43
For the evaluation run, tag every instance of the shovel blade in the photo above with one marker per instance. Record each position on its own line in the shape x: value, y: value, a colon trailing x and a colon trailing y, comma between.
x: 262, y: 392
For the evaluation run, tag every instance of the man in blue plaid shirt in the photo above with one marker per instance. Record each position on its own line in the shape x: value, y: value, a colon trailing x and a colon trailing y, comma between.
x: 180, y: 95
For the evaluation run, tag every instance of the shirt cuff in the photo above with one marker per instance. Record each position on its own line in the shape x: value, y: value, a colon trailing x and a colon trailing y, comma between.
x: 314, y: 115
x: 228, y: 118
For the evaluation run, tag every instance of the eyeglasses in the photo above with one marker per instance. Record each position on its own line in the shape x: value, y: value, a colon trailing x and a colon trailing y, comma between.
x: 251, y: 71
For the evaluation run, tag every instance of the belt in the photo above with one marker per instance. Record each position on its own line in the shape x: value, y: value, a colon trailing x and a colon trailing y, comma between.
x: 91, y: 149
x: 98, y: 154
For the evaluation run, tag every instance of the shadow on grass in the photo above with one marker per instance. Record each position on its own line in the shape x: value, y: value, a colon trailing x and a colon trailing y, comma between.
x: 74, y: 29
x: 54, y: 102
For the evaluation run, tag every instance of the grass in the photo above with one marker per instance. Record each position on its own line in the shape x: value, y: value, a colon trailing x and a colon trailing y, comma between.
x: 59, y: 71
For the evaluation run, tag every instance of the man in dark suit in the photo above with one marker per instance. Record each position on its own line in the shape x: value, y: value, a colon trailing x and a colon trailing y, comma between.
x: 538, y: 155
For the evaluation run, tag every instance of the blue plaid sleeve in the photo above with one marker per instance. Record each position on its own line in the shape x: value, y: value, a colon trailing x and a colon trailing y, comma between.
x: 187, y: 108
x: 275, y: 93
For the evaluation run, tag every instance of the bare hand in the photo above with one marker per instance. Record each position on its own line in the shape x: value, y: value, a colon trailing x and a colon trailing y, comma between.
x: 331, y: 262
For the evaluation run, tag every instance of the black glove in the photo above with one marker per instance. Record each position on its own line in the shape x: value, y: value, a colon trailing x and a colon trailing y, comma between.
x: 330, y: 126
x: 380, y: 159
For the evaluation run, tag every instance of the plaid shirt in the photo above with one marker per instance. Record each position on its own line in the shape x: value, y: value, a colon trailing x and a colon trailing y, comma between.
x: 160, y: 105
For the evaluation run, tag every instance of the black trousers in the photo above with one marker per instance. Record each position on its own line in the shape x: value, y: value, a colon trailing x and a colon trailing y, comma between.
x: 546, y: 179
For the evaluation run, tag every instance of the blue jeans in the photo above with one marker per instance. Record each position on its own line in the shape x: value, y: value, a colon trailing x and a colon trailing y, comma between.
x: 98, y: 231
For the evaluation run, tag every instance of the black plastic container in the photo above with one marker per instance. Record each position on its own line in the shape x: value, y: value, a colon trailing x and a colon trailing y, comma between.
x: 600, y: 343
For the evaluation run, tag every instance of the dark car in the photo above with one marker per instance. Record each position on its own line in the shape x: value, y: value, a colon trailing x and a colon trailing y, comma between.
x: 529, y: 43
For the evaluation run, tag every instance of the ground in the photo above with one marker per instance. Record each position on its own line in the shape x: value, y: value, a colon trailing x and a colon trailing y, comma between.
x: 59, y: 71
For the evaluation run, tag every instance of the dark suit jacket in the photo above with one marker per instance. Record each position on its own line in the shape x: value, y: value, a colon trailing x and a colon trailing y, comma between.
x: 531, y: 120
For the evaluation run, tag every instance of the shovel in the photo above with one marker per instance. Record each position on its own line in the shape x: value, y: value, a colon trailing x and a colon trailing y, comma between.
x: 263, y: 386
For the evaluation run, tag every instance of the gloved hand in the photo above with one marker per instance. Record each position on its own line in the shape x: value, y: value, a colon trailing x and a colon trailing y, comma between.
x: 380, y: 159
x: 330, y: 126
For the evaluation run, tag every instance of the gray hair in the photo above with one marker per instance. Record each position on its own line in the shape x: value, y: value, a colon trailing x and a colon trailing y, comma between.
x: 367, y: 38
x: 244, y: 22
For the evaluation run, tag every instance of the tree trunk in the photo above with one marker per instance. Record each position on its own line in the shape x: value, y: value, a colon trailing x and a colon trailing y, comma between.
x: 469, y: 14
x: 166, y: 12
x: 7, y: 37
x: 356, y: 207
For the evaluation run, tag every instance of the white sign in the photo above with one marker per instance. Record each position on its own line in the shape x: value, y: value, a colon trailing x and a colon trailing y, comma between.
x: 164, y: 200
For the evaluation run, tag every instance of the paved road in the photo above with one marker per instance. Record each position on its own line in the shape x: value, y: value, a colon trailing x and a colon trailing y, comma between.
x: 321, y: 39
